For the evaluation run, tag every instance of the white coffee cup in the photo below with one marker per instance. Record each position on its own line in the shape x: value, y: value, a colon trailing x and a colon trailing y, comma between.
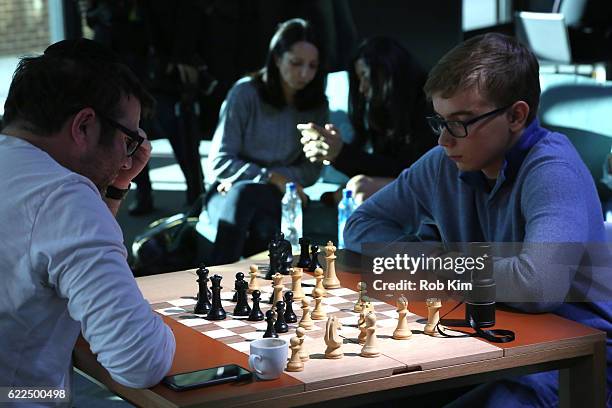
x: 268, y: 357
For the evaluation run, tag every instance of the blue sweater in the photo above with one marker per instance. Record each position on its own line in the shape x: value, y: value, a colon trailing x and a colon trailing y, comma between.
x: 543, y: 194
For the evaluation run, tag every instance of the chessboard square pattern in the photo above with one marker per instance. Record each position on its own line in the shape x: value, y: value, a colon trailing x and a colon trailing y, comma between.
x: 194, y: 322
x: 171, y: 311
x: 218, y: 334
x: 229, y: 324
x: 182, y: 302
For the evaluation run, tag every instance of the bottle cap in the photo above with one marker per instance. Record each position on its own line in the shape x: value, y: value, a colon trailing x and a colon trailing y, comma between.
x: 347, y: 193
x: 290, y: 186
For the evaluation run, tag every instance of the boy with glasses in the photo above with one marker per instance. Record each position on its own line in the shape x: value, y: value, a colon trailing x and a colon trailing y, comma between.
x: 69, y: 148
x: 496, y: 176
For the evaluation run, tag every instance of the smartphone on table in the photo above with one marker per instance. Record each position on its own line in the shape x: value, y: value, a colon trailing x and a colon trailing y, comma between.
x: 208, y: 376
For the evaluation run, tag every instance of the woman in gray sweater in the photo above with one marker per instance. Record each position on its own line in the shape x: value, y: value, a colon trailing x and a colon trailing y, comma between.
x: 256, y: 147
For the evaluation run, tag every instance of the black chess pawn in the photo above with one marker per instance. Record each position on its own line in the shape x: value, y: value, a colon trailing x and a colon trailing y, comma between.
x: 256, y: 314
x: 286, y: 255
x: 314, y: 258
x: 289, y: 315
x: 216, y: 312
x: 304, y: 261
x: 203, y: 305
x: 242, y: 306
x: 280, y: 326
x: 270, y: 332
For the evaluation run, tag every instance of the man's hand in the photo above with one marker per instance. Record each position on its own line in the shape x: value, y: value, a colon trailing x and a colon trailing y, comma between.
x: 224, y: 187
x: 321, y: 145
x: 139, y: 161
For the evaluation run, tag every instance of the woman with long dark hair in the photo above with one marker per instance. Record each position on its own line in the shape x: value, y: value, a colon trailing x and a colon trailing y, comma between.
x: 256, y: 147
x: 387, y: 109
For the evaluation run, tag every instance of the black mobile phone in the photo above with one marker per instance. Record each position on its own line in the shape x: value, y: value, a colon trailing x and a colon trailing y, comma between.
x: 209, y: 376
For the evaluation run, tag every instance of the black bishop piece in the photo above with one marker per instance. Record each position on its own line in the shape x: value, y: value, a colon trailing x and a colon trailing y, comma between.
x: 203, y: 305
x: 216, y: 312
x: 256, y: 314
x: 314, y: 258
x: 290, y: 317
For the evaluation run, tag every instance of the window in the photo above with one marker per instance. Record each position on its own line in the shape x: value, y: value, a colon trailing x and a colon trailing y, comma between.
x: 485, y: 13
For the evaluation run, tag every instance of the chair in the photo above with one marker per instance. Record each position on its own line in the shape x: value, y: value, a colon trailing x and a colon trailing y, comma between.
x: 555, y: 42
x: 546, y: 35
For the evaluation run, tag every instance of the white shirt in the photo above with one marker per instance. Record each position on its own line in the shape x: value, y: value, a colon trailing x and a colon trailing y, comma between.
x: 64, y: 271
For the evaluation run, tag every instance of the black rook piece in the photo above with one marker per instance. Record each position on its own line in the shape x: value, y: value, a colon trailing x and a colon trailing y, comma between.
x: 290, y: 317
x: 304, y: 261
x: 203, y: 305
x: 280, y: 326
x: 270, y: 332
x: 314, y: 258
x: 242, y: 306
x: 216, y: 312
x: 256, y: 313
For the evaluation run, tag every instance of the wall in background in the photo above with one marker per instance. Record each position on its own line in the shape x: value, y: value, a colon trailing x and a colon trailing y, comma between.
x: 428, y: 29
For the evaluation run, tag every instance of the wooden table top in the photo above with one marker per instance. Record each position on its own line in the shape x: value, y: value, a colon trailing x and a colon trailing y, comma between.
x: 535, y: 333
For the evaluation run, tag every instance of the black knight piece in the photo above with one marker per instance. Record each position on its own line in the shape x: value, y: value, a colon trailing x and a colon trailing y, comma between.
x: 216, y: 312
x: 270, y: 332
x: 314, y: 258
x: 256, y: 314
x: 203, y: 305
x: 280, y: 326
x: 242, y: 306
x: 304, y: 261
x: 286, y: 256
x: 289, y: 315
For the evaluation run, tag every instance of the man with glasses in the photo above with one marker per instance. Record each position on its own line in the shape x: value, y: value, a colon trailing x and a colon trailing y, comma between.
x: 69, y: 147
x: 496, y: 176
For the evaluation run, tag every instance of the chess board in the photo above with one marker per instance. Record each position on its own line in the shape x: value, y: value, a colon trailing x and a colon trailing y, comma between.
x: 419, y: 352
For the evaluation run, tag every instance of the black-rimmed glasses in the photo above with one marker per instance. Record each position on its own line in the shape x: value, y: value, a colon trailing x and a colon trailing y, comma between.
x: 459, y: 128
x: 133, y: 140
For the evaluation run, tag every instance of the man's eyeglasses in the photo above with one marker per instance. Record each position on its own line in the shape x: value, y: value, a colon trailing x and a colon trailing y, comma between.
x: 133, y: 139
x: 459, y: 128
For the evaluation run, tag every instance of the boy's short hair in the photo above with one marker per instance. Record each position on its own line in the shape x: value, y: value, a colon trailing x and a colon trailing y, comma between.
x: 503, y: 70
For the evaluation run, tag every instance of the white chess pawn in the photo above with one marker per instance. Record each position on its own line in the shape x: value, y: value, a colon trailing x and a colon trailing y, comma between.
x: 370, y: 348
x: 330, y: 281
x: 253, y: 284
x: 295, y: 363
x: 433, y: 315
x: 318, y: 273
x: 318, y: 313
x: 301, y: 332
x: 306, y: 321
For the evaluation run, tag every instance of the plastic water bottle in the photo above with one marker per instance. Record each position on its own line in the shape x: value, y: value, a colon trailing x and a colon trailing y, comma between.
x: 291, y: 221
x: 346, y: 206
